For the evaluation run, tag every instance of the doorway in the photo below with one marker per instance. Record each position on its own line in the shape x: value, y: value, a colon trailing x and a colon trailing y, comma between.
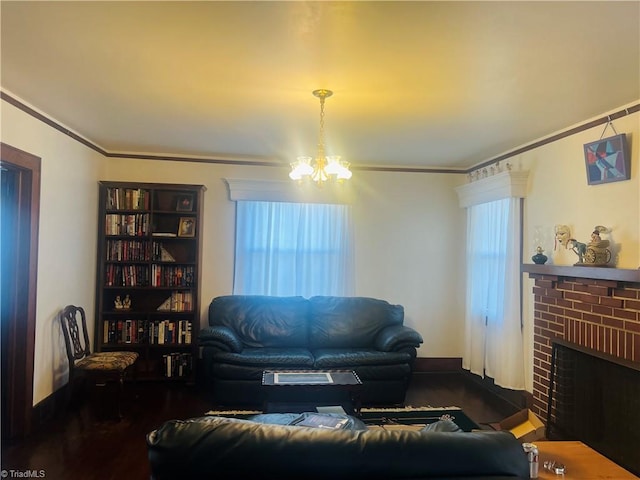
x: 19, y: 216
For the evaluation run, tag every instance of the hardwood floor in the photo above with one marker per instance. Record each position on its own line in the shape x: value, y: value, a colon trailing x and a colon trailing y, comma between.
x: 78, y: 445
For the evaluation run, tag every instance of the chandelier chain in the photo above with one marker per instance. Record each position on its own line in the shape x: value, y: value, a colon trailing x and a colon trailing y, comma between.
x: 321, y: 133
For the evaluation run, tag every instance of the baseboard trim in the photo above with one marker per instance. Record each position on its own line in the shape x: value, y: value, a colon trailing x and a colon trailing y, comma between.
x: 48, y: 408
x: 517, y: 398
x: 437, y: 364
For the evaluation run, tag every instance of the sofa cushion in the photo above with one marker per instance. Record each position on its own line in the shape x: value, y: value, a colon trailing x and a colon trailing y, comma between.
x: 220, y: 337
x: 351, y: 357
x: 267, y: 357
x: 349, y: 322
x: 263, y: 321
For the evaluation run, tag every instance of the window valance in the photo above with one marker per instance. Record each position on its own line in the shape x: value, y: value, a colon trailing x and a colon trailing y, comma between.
x: 505, y: 184
x: 285, y: 191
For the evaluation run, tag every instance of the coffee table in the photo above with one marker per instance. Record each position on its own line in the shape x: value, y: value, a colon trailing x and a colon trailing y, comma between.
x: 581, y: 462
x: 294, y: 391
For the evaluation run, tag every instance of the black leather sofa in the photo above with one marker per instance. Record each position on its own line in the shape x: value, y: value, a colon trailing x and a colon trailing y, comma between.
x: 250, y: 334
x: 223, y: 448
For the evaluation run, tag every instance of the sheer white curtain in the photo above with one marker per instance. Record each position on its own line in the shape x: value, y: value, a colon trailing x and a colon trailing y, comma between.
x: 293, y: 249
x: 493, y: 336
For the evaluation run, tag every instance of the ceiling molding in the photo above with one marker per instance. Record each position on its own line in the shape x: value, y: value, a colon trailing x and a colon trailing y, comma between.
x: 558, y: 136
x: 253, y: 163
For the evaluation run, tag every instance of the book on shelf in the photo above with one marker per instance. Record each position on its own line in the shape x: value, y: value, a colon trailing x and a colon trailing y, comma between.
x: 127, y: 250
x: 164, y: 234
x: 165, y: 256
x: 131, y: 225
x: 127, y: 332
x: 177, y: 364
x: 126, y: 276
x: 124, y: 331
x: 165, y: 306
x: 127, y: 199
x: 177, y: 302
x: 165, y: 332
x: 172, y: 276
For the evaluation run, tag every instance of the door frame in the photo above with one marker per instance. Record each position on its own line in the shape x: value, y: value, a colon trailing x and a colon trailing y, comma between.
x: 22, y: 312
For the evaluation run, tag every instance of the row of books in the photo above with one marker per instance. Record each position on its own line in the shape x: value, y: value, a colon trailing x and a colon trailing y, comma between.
x: 126, y: 275
x: 177, y: 302
x: 127, y: 199
x: 137, y: 251
x: 177, y: 364
x: 152, y: 332
x: 172, y: 276
x: 136, y: 224
x: 138, y: 276
x: 127, y: 250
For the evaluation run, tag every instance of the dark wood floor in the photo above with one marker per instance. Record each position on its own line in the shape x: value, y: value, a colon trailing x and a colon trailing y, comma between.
x: 78, y: 445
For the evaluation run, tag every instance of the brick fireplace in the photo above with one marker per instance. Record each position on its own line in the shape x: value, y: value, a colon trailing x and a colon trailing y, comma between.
x: 596, y: 308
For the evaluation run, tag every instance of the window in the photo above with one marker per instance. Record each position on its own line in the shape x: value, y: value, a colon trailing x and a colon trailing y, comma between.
x: 493, y: 340
x: 293, y: 249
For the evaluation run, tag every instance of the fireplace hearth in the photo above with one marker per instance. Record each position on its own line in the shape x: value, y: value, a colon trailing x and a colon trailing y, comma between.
x: 595, y: 398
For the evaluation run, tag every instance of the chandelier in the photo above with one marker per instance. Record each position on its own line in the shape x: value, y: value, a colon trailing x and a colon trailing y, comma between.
x: 325, y: 167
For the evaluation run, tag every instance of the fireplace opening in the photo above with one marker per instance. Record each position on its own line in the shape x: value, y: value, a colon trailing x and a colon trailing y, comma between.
x: 595, y: 398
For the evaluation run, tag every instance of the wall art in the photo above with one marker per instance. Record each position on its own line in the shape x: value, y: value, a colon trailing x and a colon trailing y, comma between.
x: 607, y: 160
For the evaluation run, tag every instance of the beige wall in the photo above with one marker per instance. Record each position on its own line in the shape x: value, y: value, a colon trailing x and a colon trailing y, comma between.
x: 409, y: 229
x: 67, y: 236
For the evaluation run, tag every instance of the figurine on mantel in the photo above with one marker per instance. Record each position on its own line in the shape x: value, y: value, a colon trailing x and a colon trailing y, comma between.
x: 562, y: 234
x: 593, y: 254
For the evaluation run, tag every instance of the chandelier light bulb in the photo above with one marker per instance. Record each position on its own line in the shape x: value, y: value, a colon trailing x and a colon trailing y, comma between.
x: 325, y: 168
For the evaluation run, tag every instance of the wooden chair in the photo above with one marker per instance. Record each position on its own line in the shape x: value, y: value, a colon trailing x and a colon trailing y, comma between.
x: 102, y: 367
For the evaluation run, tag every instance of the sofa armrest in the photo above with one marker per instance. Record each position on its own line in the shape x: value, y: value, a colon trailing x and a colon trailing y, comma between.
x: 221, y: 337
x: 397, y: 337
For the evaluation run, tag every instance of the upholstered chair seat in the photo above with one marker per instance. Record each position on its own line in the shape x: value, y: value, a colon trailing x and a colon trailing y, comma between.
x: 102, y: 361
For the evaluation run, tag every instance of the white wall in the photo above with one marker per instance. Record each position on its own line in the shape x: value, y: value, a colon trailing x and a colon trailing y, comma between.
x: 410, y: 250
x: 408, y: 246
x: 67, y: 236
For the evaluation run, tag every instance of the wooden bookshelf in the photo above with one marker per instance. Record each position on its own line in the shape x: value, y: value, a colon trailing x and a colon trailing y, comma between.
x: 148, y: 275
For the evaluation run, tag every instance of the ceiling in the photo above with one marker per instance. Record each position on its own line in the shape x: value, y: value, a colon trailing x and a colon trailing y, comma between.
x: 416, y: 84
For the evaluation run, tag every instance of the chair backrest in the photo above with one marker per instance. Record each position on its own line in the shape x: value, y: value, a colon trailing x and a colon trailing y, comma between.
x: 74, y: 327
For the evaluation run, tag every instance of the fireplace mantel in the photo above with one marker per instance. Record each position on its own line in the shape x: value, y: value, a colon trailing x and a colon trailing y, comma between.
x: 592, y: 307
x: 597, y: 273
